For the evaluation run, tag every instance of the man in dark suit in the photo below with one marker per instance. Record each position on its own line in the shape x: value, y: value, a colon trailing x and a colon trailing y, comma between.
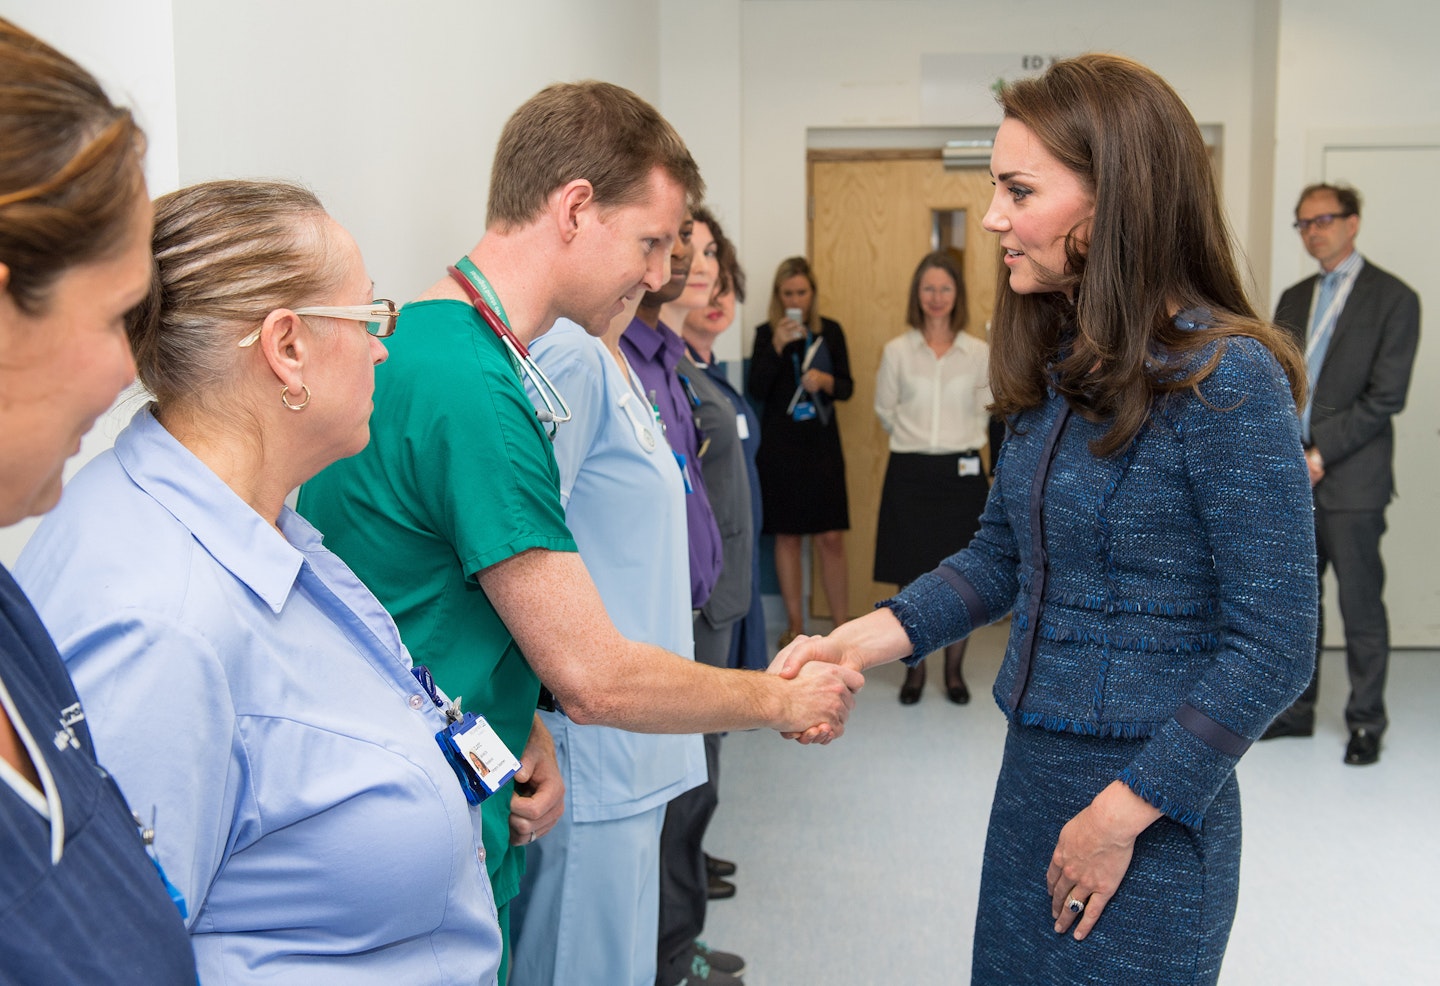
x: 1360, y: 327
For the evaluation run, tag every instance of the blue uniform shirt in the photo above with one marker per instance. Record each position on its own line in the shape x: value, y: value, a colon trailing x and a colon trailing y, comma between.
x: 625, y: 505
x: 254, y: 692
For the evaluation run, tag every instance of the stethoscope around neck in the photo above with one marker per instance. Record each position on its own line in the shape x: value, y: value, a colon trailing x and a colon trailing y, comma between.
x: 476, y: 287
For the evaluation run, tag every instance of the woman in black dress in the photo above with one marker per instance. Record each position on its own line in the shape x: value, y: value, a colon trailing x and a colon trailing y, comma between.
x: 798, y: 370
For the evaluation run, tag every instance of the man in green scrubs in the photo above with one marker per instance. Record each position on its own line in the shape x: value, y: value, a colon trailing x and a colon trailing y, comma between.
x: 452, y: 514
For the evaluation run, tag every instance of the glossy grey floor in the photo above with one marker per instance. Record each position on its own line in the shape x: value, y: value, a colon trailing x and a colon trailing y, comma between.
x: 860, y: 861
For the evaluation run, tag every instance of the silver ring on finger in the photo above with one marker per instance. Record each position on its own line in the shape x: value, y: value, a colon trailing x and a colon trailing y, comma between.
x: 1074, y: 906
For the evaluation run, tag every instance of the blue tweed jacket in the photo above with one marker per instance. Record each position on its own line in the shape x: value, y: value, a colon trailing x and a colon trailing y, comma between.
x: 1166, y: 592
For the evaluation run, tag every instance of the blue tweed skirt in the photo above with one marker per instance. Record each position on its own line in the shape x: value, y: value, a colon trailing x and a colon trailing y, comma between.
x: 1170, y: 919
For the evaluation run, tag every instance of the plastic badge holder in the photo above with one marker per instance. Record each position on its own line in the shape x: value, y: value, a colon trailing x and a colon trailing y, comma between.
x: 478, y: 756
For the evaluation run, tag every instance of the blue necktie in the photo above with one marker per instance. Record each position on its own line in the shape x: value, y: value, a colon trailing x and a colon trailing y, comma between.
x: 1320, y: 330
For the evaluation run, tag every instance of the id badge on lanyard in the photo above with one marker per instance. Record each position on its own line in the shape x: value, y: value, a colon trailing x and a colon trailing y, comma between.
x: 481, y: 760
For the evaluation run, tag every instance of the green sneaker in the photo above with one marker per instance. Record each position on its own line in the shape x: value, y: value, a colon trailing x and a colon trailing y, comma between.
x: 727, y: 962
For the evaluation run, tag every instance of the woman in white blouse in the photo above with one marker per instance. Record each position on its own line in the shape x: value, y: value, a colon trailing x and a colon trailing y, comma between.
x: 931, y: 397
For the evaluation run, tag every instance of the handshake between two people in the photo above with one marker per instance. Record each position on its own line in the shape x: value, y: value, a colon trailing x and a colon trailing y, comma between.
x: 847, y: 652
x: 821, y: 698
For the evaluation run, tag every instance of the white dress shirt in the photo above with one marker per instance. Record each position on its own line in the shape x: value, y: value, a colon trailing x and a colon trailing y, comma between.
x: 934, y: 404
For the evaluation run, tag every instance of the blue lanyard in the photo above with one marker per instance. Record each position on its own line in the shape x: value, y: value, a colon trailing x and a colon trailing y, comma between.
x: 795, y: 357
x: 427, y: 681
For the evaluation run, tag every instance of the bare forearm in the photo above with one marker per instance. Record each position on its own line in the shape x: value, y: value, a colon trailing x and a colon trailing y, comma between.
x: 873, y: 639
x: 600, y: 677
x: 647, y: 689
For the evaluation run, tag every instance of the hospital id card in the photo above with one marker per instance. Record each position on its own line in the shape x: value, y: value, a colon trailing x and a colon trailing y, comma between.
x: 479, y: 757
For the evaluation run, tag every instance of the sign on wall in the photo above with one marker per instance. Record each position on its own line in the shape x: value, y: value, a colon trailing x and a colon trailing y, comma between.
x: 958, y: 88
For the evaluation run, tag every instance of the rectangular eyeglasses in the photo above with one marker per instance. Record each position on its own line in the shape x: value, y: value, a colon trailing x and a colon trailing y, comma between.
x: 1321, y: 221
x: 378, y: 317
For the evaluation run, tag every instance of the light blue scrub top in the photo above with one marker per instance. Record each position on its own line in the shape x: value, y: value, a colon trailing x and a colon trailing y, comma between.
x: 625, y: 505
x: 254, y: 695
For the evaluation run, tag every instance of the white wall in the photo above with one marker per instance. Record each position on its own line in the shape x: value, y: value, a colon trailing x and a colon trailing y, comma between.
x: 700, y: 93
x: 389, y: 111
x: 129, y: 48
x: 857, y: 63
x: 1343, y: 67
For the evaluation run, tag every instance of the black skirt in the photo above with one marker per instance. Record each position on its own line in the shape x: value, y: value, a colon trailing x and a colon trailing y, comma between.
x: 928, y: 511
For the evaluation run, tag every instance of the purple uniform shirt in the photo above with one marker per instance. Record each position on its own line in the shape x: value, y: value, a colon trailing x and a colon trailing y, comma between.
x: 654, y: 353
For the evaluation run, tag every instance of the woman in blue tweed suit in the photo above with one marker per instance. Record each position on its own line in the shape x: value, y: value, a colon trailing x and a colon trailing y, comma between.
x: 1149, y: 529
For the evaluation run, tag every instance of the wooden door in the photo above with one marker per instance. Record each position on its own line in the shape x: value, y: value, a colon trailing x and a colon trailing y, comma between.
x: 871, y: 220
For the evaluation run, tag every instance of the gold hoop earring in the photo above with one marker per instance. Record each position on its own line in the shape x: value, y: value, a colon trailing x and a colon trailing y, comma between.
x: 285, y: 397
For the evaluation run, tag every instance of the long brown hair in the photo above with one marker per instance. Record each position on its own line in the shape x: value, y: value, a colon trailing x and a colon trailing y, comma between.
x: 1157, y: 241
x: 732, y: 275
x: 70, y: 167
x: 940, y: 260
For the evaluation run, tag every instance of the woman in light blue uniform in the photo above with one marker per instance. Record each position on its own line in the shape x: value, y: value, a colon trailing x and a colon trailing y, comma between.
x: 248, y: 692
x: 588, y: 909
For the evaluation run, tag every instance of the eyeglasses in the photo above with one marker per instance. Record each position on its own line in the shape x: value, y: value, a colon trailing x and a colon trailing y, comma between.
x: 378, y: 316
x: 1322, y: 221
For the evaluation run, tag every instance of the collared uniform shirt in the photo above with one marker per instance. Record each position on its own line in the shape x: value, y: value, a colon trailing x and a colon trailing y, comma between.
x: 655, y: 353
x: 934, y: 404
x: 254, y: 695
x: 80, y: 902
x: 625, y: 505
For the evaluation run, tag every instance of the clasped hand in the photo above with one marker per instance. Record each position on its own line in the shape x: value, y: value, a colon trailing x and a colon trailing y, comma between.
x: 814, y: 381
x: 807, y: 656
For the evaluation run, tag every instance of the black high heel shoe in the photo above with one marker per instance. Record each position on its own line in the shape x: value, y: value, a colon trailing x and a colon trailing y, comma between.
x: 914, y: 685
x: 955, y: 689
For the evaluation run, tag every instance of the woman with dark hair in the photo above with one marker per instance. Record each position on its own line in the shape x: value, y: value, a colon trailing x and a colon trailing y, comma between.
x: 702, y: 325
x: 1149, y: 527
x: 931, y: 396
x: 798, y: 370
x: 241, y: 679
x: 79, y: 900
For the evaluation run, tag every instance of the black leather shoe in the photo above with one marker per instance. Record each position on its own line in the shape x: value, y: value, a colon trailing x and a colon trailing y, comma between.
x: 955, y: 689
x: 958, y: 693
x: 720, y: 889
x: 1288, y: 727
x: 1363, y: 748
x: 718, y: 867
x: 914, y: 685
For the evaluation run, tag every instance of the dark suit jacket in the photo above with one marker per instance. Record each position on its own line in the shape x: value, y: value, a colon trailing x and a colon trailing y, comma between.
x: 1362, y: 384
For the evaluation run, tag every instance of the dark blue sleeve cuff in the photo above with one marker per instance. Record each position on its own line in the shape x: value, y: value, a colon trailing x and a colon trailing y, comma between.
x: 936, y: 609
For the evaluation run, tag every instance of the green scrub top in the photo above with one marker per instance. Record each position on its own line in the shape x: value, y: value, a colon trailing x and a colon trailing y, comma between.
x: 459, y: 475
